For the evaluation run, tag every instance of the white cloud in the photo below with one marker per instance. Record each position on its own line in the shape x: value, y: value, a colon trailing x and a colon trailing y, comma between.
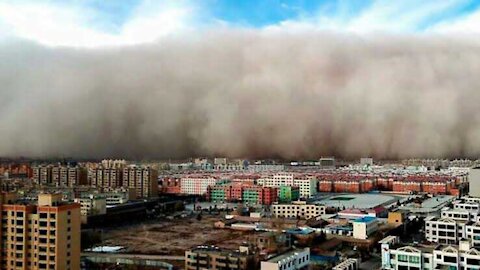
x: 69, y: 26
x: 469, y: 24
x: 380, y: 16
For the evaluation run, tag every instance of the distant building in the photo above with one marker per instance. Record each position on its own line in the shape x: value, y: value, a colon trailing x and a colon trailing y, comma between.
x: 197, y: 184
x: 43, y: 236
x: 306, y: 183
x: 247, y: 193
x: 298, y: 209
x: 220, y: 161
x: 144, y: 180
x: 327, y: 163
x: 60, y: 176
x: 105, y: 177
x: 113, y: 163
x: 92, y: 204
x: 366, y: 161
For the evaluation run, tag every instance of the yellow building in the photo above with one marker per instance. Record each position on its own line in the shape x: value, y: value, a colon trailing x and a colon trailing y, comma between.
x: 395, y: 218
x: 44, y: 236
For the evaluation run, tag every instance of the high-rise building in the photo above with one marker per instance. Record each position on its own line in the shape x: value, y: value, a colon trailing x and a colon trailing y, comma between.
x: 105, y: 177
x: 67, y: 176
x: 43, y: 236
x: 143, y: 179
x: 64, y: 176
x: 42, y: 174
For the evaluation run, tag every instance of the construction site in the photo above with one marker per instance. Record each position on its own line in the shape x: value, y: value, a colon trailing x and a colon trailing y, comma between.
x: 173, y: 237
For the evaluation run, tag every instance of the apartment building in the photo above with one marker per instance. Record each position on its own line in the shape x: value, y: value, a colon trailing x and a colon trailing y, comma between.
x: 287, y: 194
x: 67, y: 176
x: 296, y: 259
x: 443, y: 230
x: 298, y: 209
x: 144, y: 180
x: 60, y: 176
x: 306, y: 183
x: 399, y: 257
x: 43, y: 236
x: 214, y: 258
x: 454, y: 224
x: 105, y: 177
x: 42, y: 175
x: 197, y: 184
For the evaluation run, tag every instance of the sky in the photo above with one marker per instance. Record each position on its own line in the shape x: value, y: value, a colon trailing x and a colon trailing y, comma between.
x: 96, y: 23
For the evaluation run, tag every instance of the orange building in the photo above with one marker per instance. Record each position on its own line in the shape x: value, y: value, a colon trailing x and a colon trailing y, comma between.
x: 43, y: 236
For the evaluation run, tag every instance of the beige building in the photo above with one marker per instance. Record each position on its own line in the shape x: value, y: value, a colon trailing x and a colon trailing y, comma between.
x: 60, y: 176
x: 93, y: 204
x: 298, y: 209
x: 213, y: 258
x: 105, y: 177
x: 144, y: 180
x: 67, y: 176
x: 42, y: 174
x: 44, y: 236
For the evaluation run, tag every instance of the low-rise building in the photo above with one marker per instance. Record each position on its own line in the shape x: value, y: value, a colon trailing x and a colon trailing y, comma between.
x: 214, y: 258
x: 298, y: 209
x: 291, y: 260
x: 364, y: 227
x: 397, y: 256
x: 348, y: 264
x: 92, y: 204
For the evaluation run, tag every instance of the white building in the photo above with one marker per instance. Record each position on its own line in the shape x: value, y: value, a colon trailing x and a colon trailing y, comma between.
x: 306, y: 183
x: 266, y: 167
x: 298, y: 209
x: 292, y: 260
x: 443, y: 230
x: 398, y: 257
x: 348, y: 264
x: 197, y: 184
x: 455, y: 223
x: 459, y: 214
x: 364, y: 227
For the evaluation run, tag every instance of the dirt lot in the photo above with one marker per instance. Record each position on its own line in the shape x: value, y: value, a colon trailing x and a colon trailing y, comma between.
x: 174, y: 237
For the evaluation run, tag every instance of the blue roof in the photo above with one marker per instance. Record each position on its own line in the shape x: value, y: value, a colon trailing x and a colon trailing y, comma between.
x: 365, y: 219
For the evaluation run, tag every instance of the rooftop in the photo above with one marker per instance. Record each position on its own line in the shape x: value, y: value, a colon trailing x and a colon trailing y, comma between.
x: 365, y: 219
x: 286, y: 255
